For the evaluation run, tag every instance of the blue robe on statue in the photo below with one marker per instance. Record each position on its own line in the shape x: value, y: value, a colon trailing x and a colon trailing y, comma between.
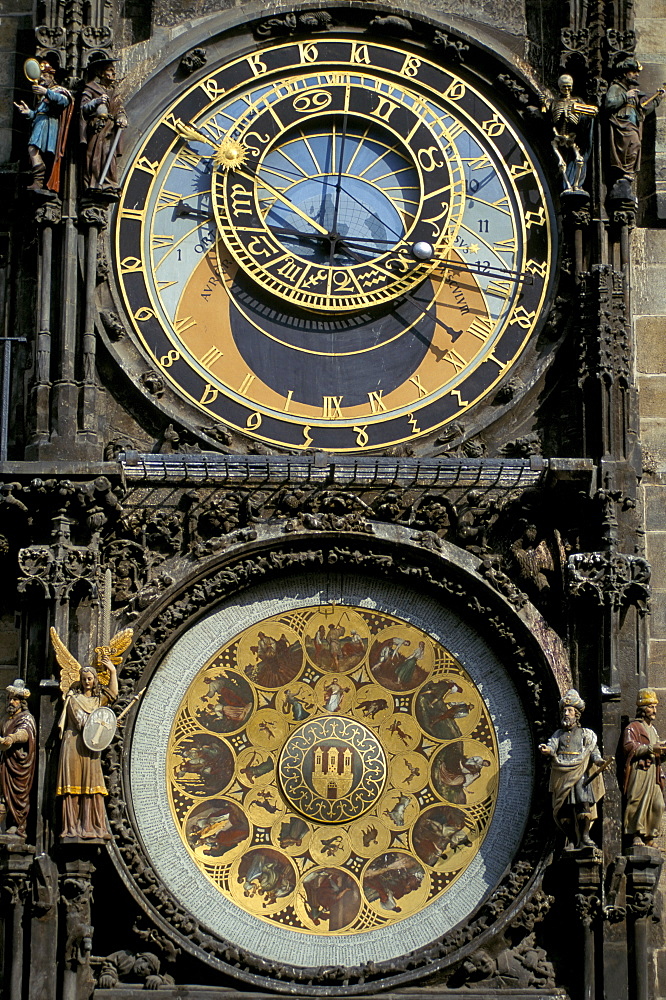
x: 45, y: 119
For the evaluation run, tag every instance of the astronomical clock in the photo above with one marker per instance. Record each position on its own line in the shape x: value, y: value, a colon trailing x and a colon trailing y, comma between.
x: 329, y: 240
x: 333, y: 242
x: 322, y: 385
x: 330, y: 771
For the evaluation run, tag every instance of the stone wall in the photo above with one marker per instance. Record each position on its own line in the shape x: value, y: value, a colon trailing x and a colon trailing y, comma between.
x: 649, y: 312
x: 16, y: 19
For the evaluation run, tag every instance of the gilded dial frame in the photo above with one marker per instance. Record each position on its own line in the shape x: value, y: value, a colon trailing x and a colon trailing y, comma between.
x: 182, y: 632
x: 304, y: 338
x: 197, y: 840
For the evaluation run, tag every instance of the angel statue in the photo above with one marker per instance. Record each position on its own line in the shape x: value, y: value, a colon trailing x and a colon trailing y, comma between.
x: 80, y: 778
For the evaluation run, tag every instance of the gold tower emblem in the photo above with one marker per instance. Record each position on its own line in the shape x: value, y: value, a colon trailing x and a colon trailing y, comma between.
x: 332, y: 774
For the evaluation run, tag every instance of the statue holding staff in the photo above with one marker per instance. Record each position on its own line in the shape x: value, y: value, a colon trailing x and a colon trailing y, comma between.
x: 18, y: 743
x: 103, y: 120
x: 643, y: 776
x: 575, y: 783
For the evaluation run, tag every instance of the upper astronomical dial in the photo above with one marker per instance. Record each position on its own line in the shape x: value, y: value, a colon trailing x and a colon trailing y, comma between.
x: 333, y: 245
x: 337, y: 184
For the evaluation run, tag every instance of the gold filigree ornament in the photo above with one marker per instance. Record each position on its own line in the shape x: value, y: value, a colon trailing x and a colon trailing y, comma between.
x: 230, y: 155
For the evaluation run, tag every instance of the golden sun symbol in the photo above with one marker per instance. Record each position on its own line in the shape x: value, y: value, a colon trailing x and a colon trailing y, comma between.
x: 230, y: 154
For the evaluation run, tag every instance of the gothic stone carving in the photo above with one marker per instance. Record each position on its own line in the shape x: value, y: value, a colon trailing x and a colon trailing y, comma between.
x: 606, y: 347
x: 453, y: 49
x: 613, y: 579
x: 390, y: 24
x: 192, y: 61
x: 274, y: 27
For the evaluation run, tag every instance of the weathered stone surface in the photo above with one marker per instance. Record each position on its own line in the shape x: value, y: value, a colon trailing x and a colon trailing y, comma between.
x: 652, y: 395
x: 656, y: 551
x: 655, y: 508
x: 650, y: 335
x: 13, y: 21
x: 9, y: 640
x: 653, y: 437
x: 648, y: 249
x: 658, y: 616
x: 657, y: 662
x: 172, y: 12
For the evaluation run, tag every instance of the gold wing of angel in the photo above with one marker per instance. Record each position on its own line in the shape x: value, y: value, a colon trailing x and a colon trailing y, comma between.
x: 70, y: 668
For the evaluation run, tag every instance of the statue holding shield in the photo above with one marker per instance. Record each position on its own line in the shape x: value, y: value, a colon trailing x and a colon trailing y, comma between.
x: 85, y: 723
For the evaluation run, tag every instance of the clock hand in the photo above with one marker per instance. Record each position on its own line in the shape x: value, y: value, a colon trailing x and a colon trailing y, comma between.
x: 398, y: 236
x: 408, y: 297
x: 189, y: 132
x: 452, y: 332
x: 358, y: 202
x: 491, y: 272
x: 360, y: 244
x: 286, y: 231
x: 367, y: 245
x: 292, y: 173
x: 184, y: 209
x: 479, y: 184
x: 338, y: 191
x: 478, y: 268
x: 283, y: 198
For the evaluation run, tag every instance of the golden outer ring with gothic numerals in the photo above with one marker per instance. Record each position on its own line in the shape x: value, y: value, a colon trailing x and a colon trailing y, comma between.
x: 236, y: 295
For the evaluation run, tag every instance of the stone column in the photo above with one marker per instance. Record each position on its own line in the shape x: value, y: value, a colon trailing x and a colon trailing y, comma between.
x: 585, y: 871
x: 643, y: 870
x: 43, y: 930
x: 15, y: 860
x: 76, y: 894
x: 92, y: 219
x: 47, y: 216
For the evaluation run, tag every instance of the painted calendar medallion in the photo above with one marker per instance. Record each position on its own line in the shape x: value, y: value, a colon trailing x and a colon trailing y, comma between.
x: 332, y: 770
x: 361, y: 808
x: 358, y: 761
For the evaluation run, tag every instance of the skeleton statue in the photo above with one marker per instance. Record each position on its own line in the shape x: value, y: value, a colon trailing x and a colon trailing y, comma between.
x: 572, y: 125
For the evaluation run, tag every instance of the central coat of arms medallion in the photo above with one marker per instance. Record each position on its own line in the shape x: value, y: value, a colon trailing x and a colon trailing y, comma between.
x: 332, y: 770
